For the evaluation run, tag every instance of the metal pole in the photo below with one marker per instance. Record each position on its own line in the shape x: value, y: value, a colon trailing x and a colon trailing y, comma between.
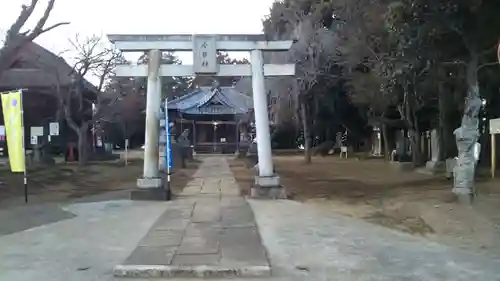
x: 168, y: 148
x: 25, y: 174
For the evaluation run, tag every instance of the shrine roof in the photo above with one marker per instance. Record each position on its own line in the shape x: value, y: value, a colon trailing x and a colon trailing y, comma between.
x: 37, y: 67
x: 212, y: 101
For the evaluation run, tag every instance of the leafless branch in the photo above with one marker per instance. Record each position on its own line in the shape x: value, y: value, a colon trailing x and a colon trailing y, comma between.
x: 15, y: 38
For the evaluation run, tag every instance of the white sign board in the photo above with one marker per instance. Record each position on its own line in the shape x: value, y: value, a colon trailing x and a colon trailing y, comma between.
x: 36, y: 131
x: 205, y: 54
x: 99, y: 141
x: 2, y: 131
x: 54, y: 129
x: 495, y: 126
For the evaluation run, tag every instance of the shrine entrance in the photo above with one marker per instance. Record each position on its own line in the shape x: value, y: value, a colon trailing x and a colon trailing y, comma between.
x: 204, y: 48
x: 211, y: 115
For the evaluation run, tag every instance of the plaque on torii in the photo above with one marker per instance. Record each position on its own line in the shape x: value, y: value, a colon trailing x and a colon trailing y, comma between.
x: 205, y: 55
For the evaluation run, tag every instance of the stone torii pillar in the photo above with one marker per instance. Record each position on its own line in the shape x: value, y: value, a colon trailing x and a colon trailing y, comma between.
x: 204, y: 49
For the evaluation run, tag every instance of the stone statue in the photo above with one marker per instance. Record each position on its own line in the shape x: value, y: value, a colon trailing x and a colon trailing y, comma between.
x: 244, y: 134
x: 466, y: 137
x: 183, y: 139
x: 185, y: 145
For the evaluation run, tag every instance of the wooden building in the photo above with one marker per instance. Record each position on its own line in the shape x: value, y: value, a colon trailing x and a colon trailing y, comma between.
x: 211, y: 114
x: 38, y: 72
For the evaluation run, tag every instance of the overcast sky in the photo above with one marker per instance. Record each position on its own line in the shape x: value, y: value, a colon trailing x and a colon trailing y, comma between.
x: 89, y: 17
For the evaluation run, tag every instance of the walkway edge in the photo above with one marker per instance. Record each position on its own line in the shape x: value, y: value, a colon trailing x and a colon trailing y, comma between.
x: 200, y: 271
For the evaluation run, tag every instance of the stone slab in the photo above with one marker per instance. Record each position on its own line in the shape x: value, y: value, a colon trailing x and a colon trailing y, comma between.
x: 191, y: 190
x: 242, y: 246
x: 241, y: 216
x: 171, y: 224
x: 232, y: 201
x: 189, y: 260
x: 230, y: 190
x: 182, y: 271
x: 210, y: 188
x: 200, y: 239
x: 151, y: 255
x: 178, y: 212
x: 206, y: 212
x: 162, y: 238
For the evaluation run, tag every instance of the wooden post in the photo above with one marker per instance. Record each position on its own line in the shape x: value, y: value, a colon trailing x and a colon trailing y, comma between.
x: 237, y: 138
x: 494, y: 129
x: 194, y: 135
x: 126, y: 152
x: 493, y: 156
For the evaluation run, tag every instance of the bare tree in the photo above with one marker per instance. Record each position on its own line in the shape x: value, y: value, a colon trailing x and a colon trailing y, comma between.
x: 84, y: 105
x: 16, y: 39
x: 129, y: 108
x: 313, y: 54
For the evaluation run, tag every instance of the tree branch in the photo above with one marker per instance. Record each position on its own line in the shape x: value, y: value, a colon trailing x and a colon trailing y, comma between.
x: 39, y: 27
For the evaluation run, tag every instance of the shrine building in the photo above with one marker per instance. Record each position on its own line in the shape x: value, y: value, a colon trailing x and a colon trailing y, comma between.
x: 211, y: 114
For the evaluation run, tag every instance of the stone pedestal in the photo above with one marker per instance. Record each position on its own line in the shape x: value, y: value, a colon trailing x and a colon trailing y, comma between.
x: 153, y: 189
x: 268, y: 188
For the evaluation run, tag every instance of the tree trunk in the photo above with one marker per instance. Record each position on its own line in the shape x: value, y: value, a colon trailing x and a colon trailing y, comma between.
x: 385, y: 137
x: 82, y: 144
x: 306, y: 133
x: 446, y: 107
x: 467, y: 135
x: 416, y: 153
x: 442, y: 126
x: 408, y: 114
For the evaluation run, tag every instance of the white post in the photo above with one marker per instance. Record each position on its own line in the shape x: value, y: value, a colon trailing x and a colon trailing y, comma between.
x: 153, y: 102
x: 126, y: 152
x: 261, y: 115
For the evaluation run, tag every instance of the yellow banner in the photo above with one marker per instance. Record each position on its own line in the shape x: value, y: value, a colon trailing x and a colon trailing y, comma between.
x: 12, y: 116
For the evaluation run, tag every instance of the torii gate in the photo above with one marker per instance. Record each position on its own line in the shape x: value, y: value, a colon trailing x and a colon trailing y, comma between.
x: 204, y: 49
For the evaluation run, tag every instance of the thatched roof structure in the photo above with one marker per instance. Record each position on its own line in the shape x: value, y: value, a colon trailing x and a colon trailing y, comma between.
x: 36, y: 67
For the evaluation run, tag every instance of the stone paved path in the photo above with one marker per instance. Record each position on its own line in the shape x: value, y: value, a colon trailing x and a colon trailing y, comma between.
x: 208, y: 231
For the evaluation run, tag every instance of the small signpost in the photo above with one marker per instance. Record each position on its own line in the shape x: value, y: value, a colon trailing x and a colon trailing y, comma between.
x: 494, y: 130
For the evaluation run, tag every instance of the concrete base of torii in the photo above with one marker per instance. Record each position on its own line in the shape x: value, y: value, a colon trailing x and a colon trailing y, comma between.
x: 268, y: 188
x: 151, y: 189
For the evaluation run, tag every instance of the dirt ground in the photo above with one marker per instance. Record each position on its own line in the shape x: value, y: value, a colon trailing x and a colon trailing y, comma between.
x: 376, y: 191
x: 68, y: 181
